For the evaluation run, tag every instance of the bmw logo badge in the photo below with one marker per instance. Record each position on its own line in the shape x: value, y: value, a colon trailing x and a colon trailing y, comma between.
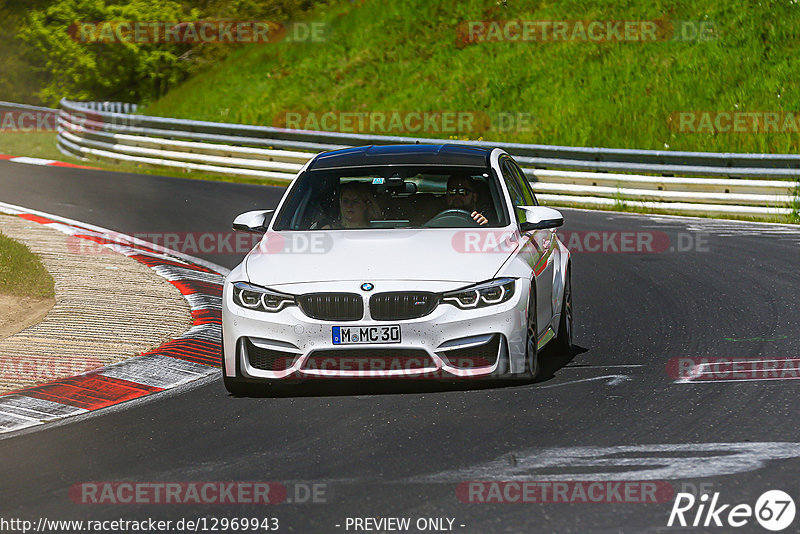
x: 366, y: 286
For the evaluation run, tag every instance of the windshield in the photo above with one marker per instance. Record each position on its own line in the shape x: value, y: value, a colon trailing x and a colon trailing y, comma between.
x: 393, y: 197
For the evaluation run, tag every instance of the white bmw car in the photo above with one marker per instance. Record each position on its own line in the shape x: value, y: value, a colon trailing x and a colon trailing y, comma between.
x: 419, y: 261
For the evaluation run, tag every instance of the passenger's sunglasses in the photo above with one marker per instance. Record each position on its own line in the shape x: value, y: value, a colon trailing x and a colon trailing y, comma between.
x: 461, y: 191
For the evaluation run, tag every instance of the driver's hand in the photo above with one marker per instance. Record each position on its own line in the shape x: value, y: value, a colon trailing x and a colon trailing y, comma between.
x: 480, y: 219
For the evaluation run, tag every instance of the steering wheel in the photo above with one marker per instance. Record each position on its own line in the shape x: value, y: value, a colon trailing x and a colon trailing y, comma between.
x: 452, y: 218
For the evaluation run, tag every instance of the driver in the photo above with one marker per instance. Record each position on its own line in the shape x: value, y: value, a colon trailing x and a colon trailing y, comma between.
x: 462, y: 194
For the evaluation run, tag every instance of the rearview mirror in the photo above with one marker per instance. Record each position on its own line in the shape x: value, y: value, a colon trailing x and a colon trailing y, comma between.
x: 252, y: 221
x: 540, y: 218
x: 395, y: 184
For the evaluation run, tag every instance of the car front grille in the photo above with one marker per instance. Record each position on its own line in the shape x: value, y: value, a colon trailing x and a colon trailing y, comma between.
x: 484, y: 355
x: 332, y: 306
x: 401, y: 305
x: 267, y: 359
x: 372, y: 359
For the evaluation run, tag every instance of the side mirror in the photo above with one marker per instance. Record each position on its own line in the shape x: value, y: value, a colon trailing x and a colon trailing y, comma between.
x: 252, y: 221
x: 540, y: 218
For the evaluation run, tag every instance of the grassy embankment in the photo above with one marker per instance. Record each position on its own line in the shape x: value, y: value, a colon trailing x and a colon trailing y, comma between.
x: 21, y: 272
x: 26, y: 288
x: 389, y: 56
x: 385, y: 56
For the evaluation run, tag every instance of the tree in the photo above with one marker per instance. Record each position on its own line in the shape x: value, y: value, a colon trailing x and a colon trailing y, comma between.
x: 71, y: 38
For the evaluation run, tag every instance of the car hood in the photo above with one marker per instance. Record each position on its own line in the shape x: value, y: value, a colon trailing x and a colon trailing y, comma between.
x: 370, y: 255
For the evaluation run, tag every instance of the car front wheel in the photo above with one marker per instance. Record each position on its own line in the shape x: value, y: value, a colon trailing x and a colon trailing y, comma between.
x: 563, y: 342
x: 531, y: 342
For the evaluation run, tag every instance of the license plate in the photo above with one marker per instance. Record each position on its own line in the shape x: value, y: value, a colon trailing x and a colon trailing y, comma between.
x: 365, y: 335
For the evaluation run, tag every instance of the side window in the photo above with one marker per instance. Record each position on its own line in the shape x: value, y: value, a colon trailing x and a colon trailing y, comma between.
x: 514, y: 189
x: 525, y: 185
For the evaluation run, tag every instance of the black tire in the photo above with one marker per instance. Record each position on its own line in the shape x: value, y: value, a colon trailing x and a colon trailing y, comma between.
x: 237, y: 387
x: 563, y: 342
x: 531, y: 340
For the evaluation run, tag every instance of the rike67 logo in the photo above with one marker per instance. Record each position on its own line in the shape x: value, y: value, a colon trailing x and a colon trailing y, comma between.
x: 774, y: 510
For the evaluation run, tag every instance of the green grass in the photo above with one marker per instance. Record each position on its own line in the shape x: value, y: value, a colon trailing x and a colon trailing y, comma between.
x: 21, y: 272
x: 794, y: 216
x: 383, y: 55
x: 32, y: 144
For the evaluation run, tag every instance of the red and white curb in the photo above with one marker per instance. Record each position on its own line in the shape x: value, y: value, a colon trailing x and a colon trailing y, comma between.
x: 40, y: 161
x: 193, y: 355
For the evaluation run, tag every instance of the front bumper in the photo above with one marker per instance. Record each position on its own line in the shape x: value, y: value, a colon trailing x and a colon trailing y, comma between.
x: 447, y: 343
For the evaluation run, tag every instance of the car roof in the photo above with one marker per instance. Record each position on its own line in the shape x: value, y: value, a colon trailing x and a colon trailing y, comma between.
x: 418, y: 154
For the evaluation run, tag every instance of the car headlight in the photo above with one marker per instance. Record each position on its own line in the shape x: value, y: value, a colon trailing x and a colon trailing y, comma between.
x: 480, y: 295
x: 260, y: 298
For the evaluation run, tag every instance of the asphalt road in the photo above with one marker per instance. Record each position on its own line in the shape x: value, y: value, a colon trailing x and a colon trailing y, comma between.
x: 611, y: 412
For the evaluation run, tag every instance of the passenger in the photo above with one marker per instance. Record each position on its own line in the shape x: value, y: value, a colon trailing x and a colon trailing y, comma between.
x: 462, y: 194
x: 357, y: 207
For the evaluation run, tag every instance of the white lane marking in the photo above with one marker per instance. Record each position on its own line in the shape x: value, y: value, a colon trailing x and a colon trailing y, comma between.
x: 702, y: 222
x: 732, y: 228
x: 204, y: 302
x: 624, y: 462
x: 10, y: 423
x: 159, y: 371
x: 716, y: 227
x: 115, y: 408
x: 37, y: 407
x: 19, y: 411
x: 171, y: 272
x: 207, y: 332
x: 613, y: 380
x: 63, y: 228
x: 32, y: 161
x: 16, y: 210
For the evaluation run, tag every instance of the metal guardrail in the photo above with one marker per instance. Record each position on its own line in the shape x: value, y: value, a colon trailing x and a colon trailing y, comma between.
x: 586, y: 158
x: 13, y: 106
x: 25, y: 118
x: 707, y: 183
x: 112, y: 107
